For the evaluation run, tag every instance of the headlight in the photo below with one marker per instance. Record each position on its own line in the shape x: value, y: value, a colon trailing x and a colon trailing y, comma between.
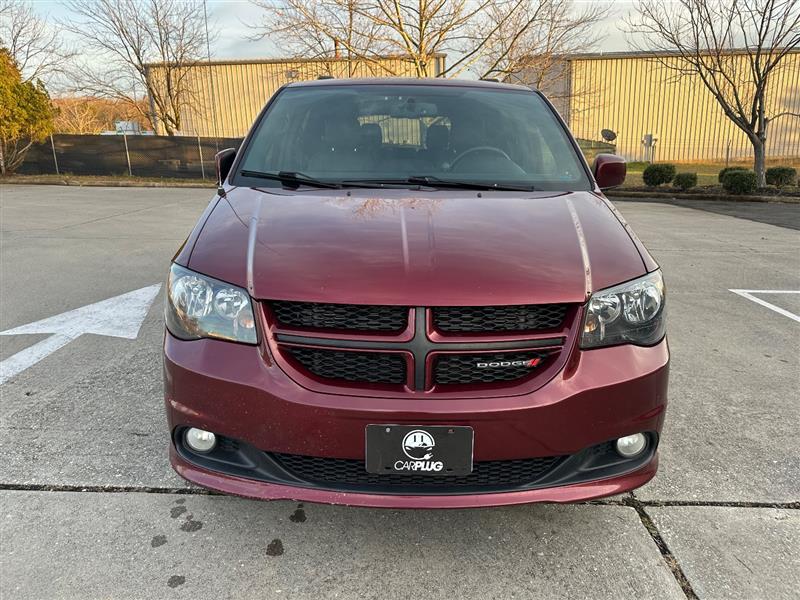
x: 631, y: 313
x: 199, y: 306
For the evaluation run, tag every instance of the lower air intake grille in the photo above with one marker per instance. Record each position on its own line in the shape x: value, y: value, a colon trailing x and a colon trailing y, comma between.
x: 485, y: 368
x: 368, y: 367
x: 530, y: 317
x: 356, y: 317
x: 487, y: 474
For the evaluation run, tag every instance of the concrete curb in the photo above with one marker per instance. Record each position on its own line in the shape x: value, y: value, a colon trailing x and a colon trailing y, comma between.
x: 110, y: 183
x: 656, y: 196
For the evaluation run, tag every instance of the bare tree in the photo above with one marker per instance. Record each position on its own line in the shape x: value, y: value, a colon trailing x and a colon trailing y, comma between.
x: 141, y: 49
x: 537, y: 38
x: 324, y: 29
x: 76, y: 116
x: 417, y: 30
x: 86, y: 114
x: 733, y: 46
x: 36, y: 46
x: 420, y: 29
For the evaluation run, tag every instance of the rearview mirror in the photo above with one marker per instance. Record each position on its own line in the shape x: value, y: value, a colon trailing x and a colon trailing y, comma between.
x: 223, y: 160
x: 609, y: 171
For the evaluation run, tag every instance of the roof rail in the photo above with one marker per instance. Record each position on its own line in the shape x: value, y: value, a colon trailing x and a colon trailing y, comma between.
x: 325, y: 77
x: 494, y: 79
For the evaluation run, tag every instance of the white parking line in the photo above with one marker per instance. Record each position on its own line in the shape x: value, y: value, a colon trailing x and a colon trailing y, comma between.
x: 781, y: 311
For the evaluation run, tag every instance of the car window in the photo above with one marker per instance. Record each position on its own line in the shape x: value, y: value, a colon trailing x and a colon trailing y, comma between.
x: 393, y: 132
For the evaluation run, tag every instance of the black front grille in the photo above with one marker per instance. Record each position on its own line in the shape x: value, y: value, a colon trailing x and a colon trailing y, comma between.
x: 494, y: 474
x: 530, y: 317
x: 485, y: 368
x: 356, y: 317
x: 367, y: 367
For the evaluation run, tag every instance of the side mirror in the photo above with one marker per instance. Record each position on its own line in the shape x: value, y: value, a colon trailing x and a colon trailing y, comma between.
x: 223, y: 160
x: 609, y: 171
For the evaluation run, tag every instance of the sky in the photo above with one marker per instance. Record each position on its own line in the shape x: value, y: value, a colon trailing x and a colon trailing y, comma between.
x: 228, y: 18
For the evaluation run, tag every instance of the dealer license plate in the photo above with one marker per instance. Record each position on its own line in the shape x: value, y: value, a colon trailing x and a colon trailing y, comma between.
x: 419, y: 449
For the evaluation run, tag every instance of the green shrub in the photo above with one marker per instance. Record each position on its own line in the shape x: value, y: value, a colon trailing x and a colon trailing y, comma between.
x: 739, y: 182
x: 781, y: 176
x: 722, y: 173
x: 685, y: 181
x: 656, y: 174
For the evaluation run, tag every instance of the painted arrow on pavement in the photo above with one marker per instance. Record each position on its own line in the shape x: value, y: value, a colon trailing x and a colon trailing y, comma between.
x: 120, y: 316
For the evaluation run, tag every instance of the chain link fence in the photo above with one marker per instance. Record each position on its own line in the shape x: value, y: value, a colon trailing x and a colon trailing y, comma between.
x: 592, y: 148
x: 132, y: 155
x: 151, y: 155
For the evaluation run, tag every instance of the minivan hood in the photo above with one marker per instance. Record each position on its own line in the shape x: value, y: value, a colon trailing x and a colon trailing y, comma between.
x: 430, y: 249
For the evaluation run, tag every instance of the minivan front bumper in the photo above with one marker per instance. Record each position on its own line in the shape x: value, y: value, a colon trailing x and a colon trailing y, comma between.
x: 240, y: 394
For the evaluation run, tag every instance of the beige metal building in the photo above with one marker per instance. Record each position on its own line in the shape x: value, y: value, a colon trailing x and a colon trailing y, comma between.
x: 629, y: 93
x: 634, y: 96
x: 224, y: 97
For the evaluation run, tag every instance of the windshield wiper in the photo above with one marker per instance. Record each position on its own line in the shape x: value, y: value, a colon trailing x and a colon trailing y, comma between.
x: 291, y: 178
x: 376, y: 183
x: 296, y: 179
x: 434, y: 181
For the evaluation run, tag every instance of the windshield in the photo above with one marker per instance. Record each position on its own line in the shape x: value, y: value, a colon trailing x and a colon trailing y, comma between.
x: 430, y: 135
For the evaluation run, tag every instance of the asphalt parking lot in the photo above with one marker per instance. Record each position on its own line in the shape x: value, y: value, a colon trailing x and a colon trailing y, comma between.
x: 91, y: 509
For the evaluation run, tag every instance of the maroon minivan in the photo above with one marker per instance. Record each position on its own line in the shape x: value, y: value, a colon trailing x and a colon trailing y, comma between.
x: 413, y: 293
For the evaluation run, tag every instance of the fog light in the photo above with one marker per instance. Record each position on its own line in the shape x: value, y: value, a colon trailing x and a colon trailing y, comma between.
x: 200, y: 440
x: 631, y: 445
